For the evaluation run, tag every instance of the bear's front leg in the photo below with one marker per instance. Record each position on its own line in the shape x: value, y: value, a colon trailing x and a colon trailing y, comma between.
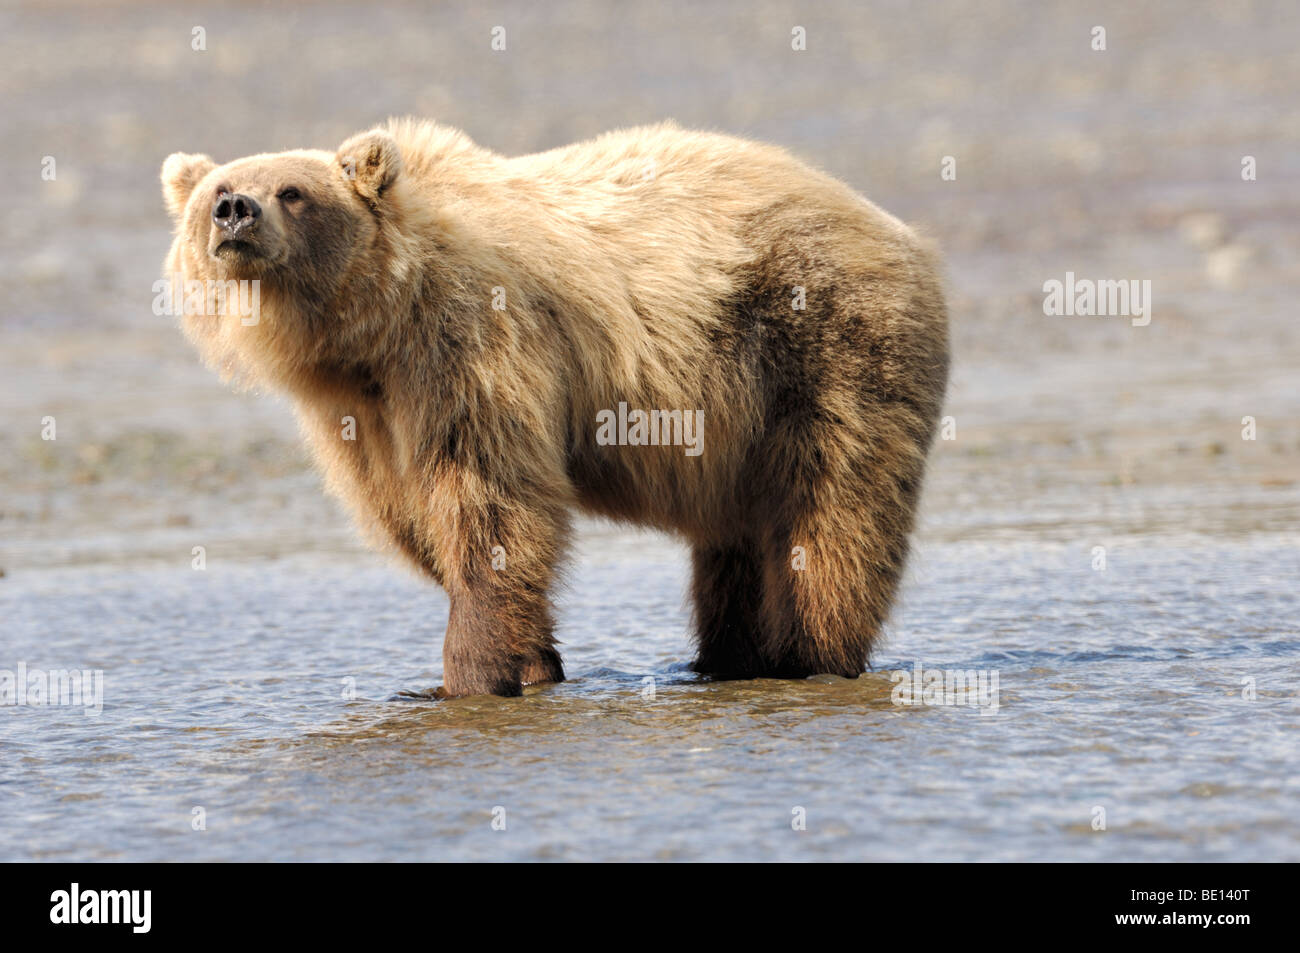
x: 498, y: 641
x: 481, y: 653
x: 499, y: 633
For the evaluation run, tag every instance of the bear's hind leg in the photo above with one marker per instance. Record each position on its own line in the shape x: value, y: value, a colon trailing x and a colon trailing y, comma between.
x: 543, y: 666
x: 726, y: 591
x: 824, y: 618
x: 847, y: 513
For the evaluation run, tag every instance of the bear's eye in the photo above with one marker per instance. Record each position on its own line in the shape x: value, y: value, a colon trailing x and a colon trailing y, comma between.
x: 289, y: 195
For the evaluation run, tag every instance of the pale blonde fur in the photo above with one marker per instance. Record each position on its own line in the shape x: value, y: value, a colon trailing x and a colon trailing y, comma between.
x: 654, y: 266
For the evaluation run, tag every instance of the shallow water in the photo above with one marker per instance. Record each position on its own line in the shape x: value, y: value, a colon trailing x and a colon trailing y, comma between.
x: 225, y: 691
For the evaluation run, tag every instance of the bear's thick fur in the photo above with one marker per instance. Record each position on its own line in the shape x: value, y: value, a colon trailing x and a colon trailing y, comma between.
x: 477, y: 317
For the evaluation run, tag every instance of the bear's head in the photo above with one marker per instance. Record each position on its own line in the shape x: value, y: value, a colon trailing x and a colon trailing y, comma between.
x: 305, y: 228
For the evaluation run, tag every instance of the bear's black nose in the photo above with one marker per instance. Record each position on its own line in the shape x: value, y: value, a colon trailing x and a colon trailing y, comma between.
x: 235, y: 213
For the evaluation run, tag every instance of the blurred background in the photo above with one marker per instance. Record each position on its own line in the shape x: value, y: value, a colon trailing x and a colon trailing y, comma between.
x: 1070, y: 433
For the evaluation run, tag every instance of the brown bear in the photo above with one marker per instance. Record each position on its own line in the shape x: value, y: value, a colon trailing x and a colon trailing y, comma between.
x: 683, y: 330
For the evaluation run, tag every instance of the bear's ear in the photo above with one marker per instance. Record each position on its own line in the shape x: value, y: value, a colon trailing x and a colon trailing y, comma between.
x: 370, y: 161
x: 180, y: 173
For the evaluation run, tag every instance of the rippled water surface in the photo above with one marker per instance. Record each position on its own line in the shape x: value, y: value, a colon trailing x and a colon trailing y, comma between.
x: 224, y: 690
